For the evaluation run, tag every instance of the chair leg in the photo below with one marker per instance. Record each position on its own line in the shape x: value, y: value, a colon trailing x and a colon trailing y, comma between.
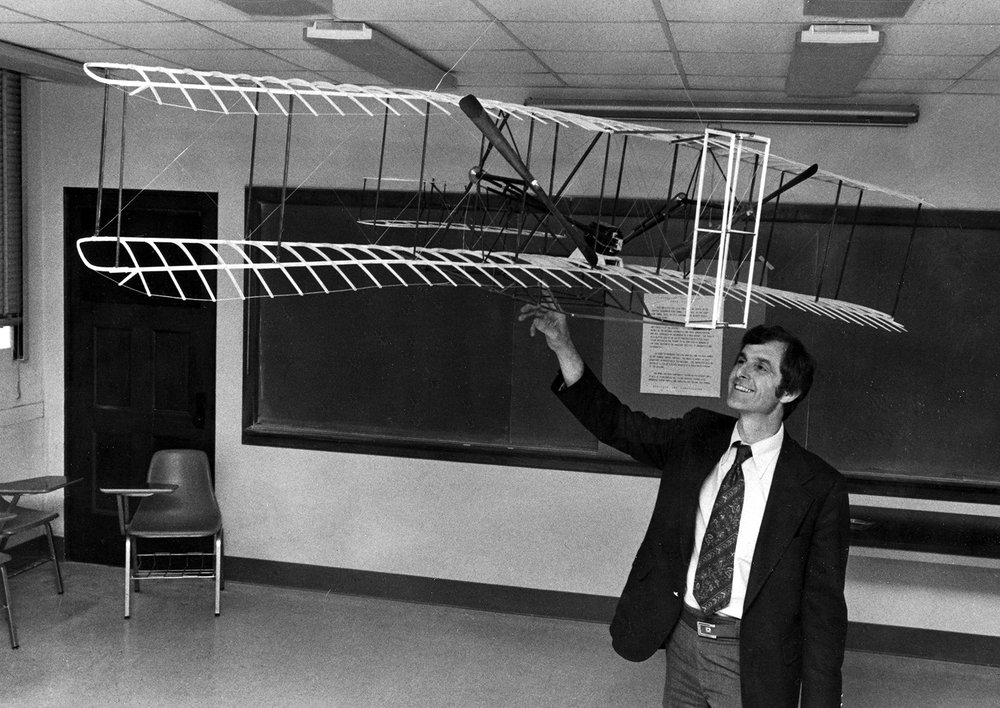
x: 128, y: 574
x: 222, y: 555
x: 218, y: 572
x: 55, y: 559
x: 6, y: 604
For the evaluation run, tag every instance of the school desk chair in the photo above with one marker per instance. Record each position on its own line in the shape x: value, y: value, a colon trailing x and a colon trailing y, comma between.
x: 177, y: 504
x: 17, y: 520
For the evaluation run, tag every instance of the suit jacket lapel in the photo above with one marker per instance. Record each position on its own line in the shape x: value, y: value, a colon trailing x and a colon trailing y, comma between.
x: 787, y: 504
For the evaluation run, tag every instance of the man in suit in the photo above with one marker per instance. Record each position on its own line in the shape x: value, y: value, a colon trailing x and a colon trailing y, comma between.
x: 740, y: 575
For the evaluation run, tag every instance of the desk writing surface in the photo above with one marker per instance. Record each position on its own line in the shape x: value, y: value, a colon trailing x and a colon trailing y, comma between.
x: 146, y: 491
x: 35, y: 485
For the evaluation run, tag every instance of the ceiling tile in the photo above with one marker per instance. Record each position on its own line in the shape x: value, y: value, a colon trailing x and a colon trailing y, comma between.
x: 922, y: 67
x: 741, y: 83
x: 621, y: 63
x: 50, y: 36
x: 509, y: 80
x: 955, y: 12
x: 233, y: 61
x: 623, y: 81
x: 498, y: 61
x: 941, y: 39
x: 199, y: 9
x: 314, y: 59
x: 449, y: 35
x: 158, y: 35
x: 73, y: 11
x: 989, y: 71
x: 902, y: 86
x: 116, y: 56
x: 748, y: 37
x: 733, y: 12
x: 11, y: 16
x: 735, y: 64
x: 982, y: 88
x: 376, y: 11
x: 576, y: 11
x: 272, y: 34
x: 605, y: 37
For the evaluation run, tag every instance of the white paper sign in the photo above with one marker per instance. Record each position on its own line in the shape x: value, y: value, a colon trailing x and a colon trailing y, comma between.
x: 676, y: 360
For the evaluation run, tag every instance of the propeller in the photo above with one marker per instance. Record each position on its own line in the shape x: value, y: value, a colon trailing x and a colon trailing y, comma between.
x: 471, y: 106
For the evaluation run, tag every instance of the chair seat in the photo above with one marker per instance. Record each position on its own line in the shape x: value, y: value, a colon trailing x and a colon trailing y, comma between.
x: 26, y: 519
x: 153, y: 522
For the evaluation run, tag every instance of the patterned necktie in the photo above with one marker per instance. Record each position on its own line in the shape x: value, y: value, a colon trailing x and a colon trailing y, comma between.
x: 713, y: 578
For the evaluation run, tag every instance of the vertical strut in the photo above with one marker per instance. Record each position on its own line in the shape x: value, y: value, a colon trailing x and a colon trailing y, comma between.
x: 100, y: 167
x: 826, y: 251
x: 420, y: 181
x: 121, y: 182
x: 847, y: 249
x: 253, y: 163
x: 381, y: 162
x: 284, y: 176
x: 902, y: 273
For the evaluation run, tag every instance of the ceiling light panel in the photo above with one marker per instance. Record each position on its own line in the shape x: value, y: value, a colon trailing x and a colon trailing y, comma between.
x: 830, y: 60
x: 369, y: 49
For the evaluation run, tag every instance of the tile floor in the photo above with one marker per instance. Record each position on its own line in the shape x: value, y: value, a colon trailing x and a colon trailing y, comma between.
x: 280, y: 647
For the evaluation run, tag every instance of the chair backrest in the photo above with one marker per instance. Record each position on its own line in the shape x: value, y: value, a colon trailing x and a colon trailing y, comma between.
x: 189, y: 470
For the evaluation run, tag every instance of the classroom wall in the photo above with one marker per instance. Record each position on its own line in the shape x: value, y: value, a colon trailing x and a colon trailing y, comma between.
x: 546, y: 529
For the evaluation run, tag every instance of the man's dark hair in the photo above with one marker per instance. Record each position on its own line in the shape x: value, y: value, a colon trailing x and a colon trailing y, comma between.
x: 797, y: 365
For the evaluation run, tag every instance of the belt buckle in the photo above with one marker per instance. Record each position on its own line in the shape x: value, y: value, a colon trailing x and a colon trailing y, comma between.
x: 707, y: 629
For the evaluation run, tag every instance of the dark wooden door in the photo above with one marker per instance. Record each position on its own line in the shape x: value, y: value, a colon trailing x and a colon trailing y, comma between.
x: 140, y: 371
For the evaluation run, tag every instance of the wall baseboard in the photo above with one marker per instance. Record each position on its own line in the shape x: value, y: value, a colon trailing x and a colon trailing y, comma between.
x: 865, y: 637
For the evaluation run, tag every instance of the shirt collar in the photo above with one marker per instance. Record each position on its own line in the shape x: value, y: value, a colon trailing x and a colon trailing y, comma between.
x: 764, y: 451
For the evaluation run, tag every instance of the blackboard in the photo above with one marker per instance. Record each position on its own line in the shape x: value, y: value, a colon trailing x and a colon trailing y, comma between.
x: 449, y: 373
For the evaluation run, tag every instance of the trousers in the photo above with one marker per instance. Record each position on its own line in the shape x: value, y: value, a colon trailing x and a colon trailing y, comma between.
x: 701, y: 672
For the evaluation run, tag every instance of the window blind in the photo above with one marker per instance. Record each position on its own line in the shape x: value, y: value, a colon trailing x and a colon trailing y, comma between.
x: 10, y: 198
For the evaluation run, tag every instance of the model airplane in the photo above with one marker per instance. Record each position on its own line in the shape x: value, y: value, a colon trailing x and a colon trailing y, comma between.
x: 719, y: 260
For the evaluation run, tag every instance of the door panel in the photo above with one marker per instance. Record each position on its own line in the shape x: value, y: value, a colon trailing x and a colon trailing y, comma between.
x: 140, y: 372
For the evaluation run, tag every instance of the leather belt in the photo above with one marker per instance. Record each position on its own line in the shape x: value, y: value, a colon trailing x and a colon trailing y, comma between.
x: 713, y: 627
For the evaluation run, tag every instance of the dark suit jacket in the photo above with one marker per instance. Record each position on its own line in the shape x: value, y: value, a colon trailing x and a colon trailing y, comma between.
x: 794, y: 618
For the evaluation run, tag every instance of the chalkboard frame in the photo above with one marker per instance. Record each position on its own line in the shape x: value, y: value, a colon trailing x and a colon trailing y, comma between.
x: 256, y: 433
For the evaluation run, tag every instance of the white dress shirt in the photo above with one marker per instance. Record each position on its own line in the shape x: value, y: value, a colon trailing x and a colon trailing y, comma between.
x: 758, y: 471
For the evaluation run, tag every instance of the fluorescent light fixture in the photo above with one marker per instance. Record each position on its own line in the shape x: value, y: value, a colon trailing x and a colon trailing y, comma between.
x: 715, y: 113
x: 840, y: 34
x: 368, y: 49
x: 829, y: 60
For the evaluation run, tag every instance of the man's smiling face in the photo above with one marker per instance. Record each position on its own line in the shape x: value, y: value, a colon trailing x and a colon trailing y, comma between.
x: 755, y: 379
